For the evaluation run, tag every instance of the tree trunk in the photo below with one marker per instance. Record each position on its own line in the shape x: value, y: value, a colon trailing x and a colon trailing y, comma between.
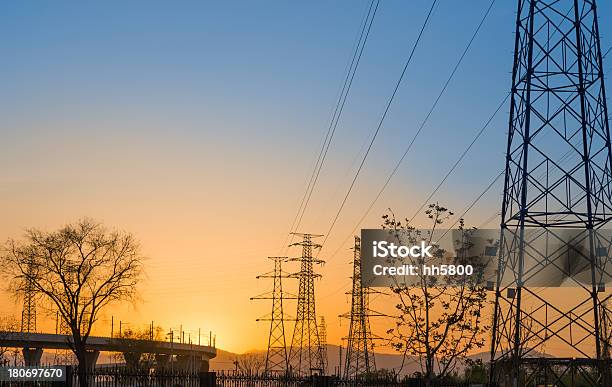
x: 83, y: 374
x: 429, y: 374
x: 81, y: 355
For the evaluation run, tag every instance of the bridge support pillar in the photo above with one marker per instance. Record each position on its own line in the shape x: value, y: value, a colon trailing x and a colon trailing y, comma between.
x: 32, y: 356
x: 204, y: 365
x: 132, y: 359
x: 192, y: 363
x: 162, y: 361
x: 91, y: 357
x: 184, y: 362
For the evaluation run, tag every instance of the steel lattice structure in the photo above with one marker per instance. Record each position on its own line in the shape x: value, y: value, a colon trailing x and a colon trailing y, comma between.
x: 557, y: 177
x: 276, y: 355
x: 323, y: 338
x: 359, y: 349
x: 28, y: 313
x: 306, y: 353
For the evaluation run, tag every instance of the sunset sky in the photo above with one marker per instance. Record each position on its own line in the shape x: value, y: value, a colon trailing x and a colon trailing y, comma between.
x: 195, y: 125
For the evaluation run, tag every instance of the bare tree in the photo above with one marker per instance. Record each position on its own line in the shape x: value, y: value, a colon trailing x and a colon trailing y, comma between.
x: 78, y: 269
x: 439, y: 321
x: 251, y: 363
x: 7, y: 326
x: 136, y: 341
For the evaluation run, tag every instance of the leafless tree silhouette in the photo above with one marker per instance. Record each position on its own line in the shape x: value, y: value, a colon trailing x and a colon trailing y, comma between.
x: 78, y: 269
x: 438, y: 321
x: 7, y: 325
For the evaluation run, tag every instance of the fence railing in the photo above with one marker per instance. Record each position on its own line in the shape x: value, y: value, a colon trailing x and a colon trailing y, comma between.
x: 124, y: 377
x: 242, y: 379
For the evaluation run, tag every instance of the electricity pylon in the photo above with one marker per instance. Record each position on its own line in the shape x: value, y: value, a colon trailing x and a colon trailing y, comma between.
x: 360, y: 346
x: 276, y: 356
x: 323, y: 338
x: 558, y: 176
x: 306, y: 353
x: 28, y: 313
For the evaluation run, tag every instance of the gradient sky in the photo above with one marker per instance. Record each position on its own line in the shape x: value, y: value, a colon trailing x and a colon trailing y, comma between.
x: 194, y: 125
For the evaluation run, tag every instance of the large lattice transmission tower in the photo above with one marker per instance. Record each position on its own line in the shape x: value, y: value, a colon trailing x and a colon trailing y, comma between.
x: 306, y: 353
x: 359, y: 358
x: 28, y: 313
x: 557, y: 178
x: 276, y: 355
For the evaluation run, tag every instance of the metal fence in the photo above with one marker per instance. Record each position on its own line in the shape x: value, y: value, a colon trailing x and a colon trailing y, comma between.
x: 240, y: 379
x: 123, y: 377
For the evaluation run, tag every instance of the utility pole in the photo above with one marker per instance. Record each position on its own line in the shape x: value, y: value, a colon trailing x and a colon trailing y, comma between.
x: 305, y: 355
x: 553, y: 184
x: 276, y: 355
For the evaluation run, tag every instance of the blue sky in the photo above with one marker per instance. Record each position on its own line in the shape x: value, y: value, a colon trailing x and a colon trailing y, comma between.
x: 250, y: 74
x: 177, y: 119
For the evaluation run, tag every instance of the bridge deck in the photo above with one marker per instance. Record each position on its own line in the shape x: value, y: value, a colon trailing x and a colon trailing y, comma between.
x: 97, y: 343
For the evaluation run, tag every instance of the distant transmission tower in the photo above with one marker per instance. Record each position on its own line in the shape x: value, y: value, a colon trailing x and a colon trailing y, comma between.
x: 323, y: 338
x: 28, y: 313
x: 276, y: 356
x: 359, y: 349
x: 306, y: 354
x: 558, y: 176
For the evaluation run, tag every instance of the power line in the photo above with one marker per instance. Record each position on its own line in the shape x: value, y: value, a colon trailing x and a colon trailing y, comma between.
x: 382, y: 119
x: 426, y: 119
x: 478, y: 135
x: 463, y: 154
x: 337, y: 116
x: 563, y: 158
x: 489, y: 186
x: 348, y: 81
x: 474, y: 202
x: 435, y: 190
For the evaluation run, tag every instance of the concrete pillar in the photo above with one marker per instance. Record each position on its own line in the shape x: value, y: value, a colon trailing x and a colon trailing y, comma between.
x: 91, y: 357
x: 204, y: 364
x: 162, y: 361
x: 132, y: 359
x: 184, y: 362
x: 32, y: 356
x: 196, y: 363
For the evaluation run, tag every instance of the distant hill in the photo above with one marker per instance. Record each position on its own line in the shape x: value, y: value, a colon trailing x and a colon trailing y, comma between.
x: 225, y: 360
